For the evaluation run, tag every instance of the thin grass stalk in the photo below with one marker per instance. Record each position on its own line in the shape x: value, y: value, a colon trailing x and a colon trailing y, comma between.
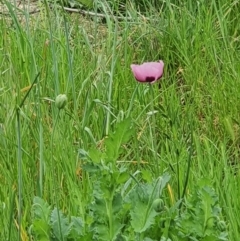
x: 20, y: 181
x: 19, y: 158
x: 187, y: 172
x: 53, y: 175
x: 70, y: 64
x: 41, y: 157
x: 12, y: 199
x: 110, y: 86
x: 53, y: 49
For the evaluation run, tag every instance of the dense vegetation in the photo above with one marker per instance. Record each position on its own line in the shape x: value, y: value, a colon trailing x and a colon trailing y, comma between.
x: 111, y: 158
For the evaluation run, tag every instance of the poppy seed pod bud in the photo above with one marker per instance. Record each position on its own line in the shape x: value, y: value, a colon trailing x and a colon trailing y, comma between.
x: 222, y: 226
x: 158, y: 205
x: 61, y: 101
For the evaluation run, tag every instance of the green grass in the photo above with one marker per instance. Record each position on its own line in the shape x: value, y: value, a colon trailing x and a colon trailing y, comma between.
x: 196, y: 107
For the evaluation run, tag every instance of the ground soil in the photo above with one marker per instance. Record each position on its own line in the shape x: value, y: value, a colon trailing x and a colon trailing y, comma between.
x: 19, y: 6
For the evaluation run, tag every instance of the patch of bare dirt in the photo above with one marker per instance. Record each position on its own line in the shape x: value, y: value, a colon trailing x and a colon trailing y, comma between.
x: 19, y: 7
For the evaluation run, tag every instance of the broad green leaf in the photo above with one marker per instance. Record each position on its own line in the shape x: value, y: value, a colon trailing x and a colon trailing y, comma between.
x: 102, y: 231
x: 147, y: 192
x: 209, y: 200
x: 99, y: 210
x: 142, y: 217
x: 77, y: 227
x: 117, y: 227
x: 41, y: 229
x: 95, y: 155
x: 141, y: 198
x: 60, y: 224
x: 223, y: 236
x: 107, y: 189
x: 90, y: 167
x: 200, y: 215
x: 41, y: 209
x: 115, y: 140
x: 122, y: 178
x: 117, y: 203
x: 147, y: 175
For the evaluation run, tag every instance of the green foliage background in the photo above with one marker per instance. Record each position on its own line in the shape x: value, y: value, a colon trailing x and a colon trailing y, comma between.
x: 71, y: 162
x: 117, y: 5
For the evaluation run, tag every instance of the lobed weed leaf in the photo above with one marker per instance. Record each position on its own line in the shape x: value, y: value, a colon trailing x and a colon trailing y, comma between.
x: 142, y: 217
x: 113, y: 142
x: 95, y: 155
x: 41, y: 209
x: 41, y: 229
x: 41, y: 219
x: 60, y: 224
x: 142, y: 213
x: 201, y: 219
x: 77, y: 227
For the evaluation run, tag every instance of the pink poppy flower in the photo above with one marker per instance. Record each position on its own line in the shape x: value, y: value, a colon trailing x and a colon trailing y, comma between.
x: 148, y: 72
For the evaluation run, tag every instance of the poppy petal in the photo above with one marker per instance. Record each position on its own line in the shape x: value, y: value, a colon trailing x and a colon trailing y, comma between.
x: 148, y: 72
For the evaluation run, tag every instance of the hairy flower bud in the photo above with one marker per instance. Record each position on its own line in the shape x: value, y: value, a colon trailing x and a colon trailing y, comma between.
x: 61, y: 101
x: 158, y: 205
x: 222, y: 226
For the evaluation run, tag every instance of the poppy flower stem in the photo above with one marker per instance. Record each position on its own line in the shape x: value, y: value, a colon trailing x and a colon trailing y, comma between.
x: 153, y: 132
